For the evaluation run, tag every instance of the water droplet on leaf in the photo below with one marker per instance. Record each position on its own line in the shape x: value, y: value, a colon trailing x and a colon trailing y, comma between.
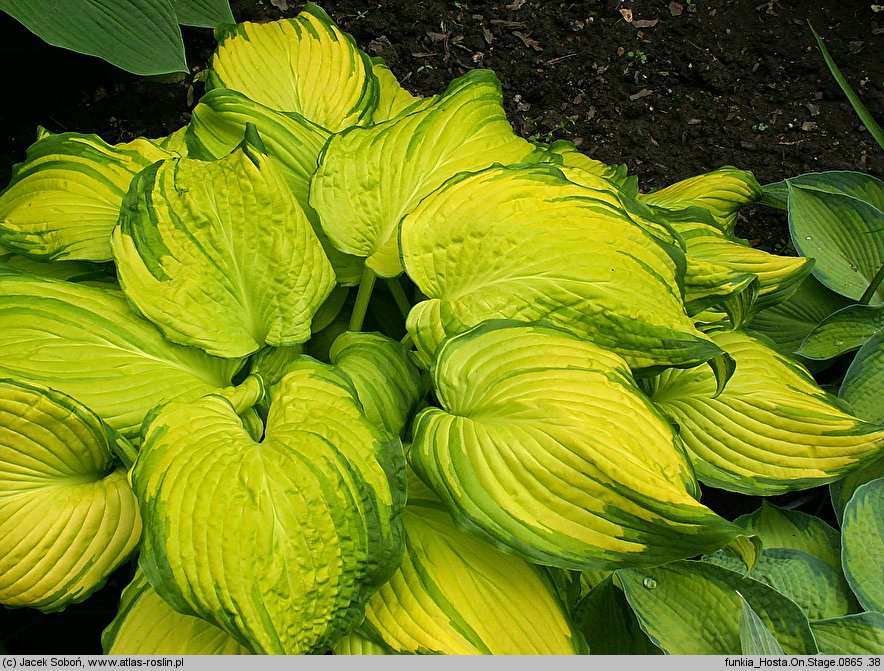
x: 649, y: 583
x: 807, y: 237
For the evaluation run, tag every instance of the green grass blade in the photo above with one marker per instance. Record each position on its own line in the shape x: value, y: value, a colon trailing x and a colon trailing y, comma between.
x: 855, y: 102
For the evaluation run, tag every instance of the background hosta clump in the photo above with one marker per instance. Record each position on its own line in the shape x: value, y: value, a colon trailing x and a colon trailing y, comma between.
x: 370, y: 373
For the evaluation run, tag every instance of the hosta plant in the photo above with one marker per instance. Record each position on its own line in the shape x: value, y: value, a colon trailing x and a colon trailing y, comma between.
x: 349, y: 370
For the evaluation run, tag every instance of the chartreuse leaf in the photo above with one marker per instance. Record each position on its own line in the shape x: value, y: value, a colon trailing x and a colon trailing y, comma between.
x: 794, y: 530
x: 841, y: 491
x: 139, y: 36
x: 220, y: 255
x: 842, y: 331
x: 604, y: 617
x: 203, y: 13
x: 722, y: 192
x: 772, y: 430
x: 316, y: 508
x: 67, y: 515
x: 147, y: 625
x: 84, y: 272
x: 862, y: 543
x: 86, y: 342
x: 859, y: 634
x: 572, y: 157
x: 545, y: 447
x: 64, y: 198
x: 863, y: 384
x: 453, y: 594
x: 394, y: 101
x: 304, y: 65
x: 815, y: 585
x: 387, y: 383
x: 694, y: 608
x: 217, y: 128
x: 755, y: 637
x: 786, y: 324
x: 524, y: 243
x: 369, y: 178
x: 843, y: 233
x: 356, y: 644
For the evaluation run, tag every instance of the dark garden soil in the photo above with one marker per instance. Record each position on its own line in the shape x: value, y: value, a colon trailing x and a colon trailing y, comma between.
x: 671, y: 89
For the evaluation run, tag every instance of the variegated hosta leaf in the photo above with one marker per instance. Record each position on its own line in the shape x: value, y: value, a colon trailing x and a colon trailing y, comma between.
x: 369, y: 178
x: 860, y: 634
x: 220, y: 255
x: 794, y: 530
x: 64, y: 199
x: 455, y: 595
x: 67, y: 515
x: 572, y: 157
x: 778, y: 276
x: 394, y: 101
x: 524, y: 243
x: 707, y: 284
x: 722, y: 192
x: 315, y: 507
x: 147, y: 625
x: 175, y: 142
x: 755, y: 637
x: 387, y: 383
x: 862, y: 543
x: 772, y: 430
x: 356, y: 644
x: 842, y: 490
x: 694, y: 608
x: 545, y: 447
x: 83, y: 272
x: 815, y: 585
x: 843, y: 331
x: 87, y: 343
x: 304, y: 65
x: 217, y: 128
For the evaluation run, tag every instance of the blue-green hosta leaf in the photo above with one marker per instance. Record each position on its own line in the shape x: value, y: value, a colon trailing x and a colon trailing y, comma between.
x: 860, y: 634
x: 792, y: 529
x: 140, y: 36
x: 369, y: 178
x: 607, y: 622
x: 755, y: 637
x: 788, y: 323
x: 841, y: 491
x: 316, y: 506
x: 220, y: 255
x: 815, y: 585
x: 203, y: 13
x: 859, y: 185
x: 862, y: 544
x: 67, y: 515
x: 147, y: 625
x: 842, y: 331
x: 217, y: 128
x: 545, y: 447
x: 722, y: 192
x: 394, y: 101
x: 64, y: 198
x: 863, y: 384
x: 87, y: 343
x: 387, y: 383
x: 304, y: 65
x: 694, y: 608
x: 843, y: 233
x: 771, y: 430
x: 525, y: 243
x: 453, y: 594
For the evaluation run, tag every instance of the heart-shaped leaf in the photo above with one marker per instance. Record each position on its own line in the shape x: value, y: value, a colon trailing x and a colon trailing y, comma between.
x: 67, y: 515
x: 862, y: 543
x: 315, y: 506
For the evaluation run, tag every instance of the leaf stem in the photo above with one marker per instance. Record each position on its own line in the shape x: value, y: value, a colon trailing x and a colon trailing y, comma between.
x: 873, y: 286
x: 399, y: 295
x: 363, y: 296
